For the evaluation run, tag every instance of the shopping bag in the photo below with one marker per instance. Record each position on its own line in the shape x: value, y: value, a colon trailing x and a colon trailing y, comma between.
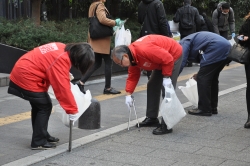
x: 174, y: 27
x: 190, y: 91
x: 232, y: 41
x: 83, y: 101
x: 122, y: 36
x: 171, y: 108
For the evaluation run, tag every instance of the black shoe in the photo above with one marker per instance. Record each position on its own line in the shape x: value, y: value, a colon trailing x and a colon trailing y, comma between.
x: 149, y: 122
x: 111, y: 91
x: 189, y: 64
x: 247, y: 124
x: 44, y: 147
x: 162, y: 129
x: 214, y: 111
x: 199, y: 112
x: 53, y: 139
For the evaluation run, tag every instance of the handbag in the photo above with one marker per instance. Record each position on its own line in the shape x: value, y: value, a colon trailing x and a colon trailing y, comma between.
x: 98, y: 30
x: 239, y: 54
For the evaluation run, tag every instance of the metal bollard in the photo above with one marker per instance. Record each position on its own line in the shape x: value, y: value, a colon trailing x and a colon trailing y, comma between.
x: 91, y: 118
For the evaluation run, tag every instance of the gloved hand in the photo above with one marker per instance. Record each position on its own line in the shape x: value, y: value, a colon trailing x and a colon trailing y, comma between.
x: 73, y: 117
x: 117, y: 22
x: 115, y: 28
x: 167, y: 82
x: 233, y: 35
x: 81, y: 86
x: 129, y: 101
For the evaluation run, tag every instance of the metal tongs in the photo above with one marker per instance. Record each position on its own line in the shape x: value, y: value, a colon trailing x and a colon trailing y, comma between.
x: 70, y: 135
x: 133, y: 105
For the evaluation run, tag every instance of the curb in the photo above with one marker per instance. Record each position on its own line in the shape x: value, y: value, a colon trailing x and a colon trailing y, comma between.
x: 35, y: 158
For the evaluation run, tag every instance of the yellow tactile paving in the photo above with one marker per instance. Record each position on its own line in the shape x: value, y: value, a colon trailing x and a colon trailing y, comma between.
x: 26, y: 115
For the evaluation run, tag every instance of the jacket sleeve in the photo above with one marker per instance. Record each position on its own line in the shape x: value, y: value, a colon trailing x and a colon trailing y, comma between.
x: 101, y: 12
x: 231, y: 21
x: 197, y: 20
x: 177, y: 16
x: 134, y: 74
x: 215, y: 21
x: 58, y: 75
x: 185, y: 53
x: 161, y: 15
x: 141, y: 13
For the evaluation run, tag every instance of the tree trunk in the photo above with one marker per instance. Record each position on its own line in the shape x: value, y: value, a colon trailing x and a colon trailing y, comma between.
x: 36, y: 11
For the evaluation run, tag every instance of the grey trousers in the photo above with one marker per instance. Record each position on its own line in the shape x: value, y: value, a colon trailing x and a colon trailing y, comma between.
x: 154, y: 88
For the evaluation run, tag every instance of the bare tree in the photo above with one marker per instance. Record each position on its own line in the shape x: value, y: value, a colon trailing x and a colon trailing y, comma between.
x: 36, y: 4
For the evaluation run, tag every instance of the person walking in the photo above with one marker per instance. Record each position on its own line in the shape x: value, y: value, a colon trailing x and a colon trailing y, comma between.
x: 152, y: 17
x: 189, y: 21
x: 35, y: 71
x: 223, y: 20
x: 244, y: 32
x: 159, y: 53
x: 202, y: 47
x: 101, y: 47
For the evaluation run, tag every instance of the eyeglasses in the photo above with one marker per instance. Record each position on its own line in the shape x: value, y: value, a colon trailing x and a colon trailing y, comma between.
x: 120, y: 62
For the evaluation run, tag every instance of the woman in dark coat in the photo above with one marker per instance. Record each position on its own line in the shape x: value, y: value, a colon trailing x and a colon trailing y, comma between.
x: 245, y: 33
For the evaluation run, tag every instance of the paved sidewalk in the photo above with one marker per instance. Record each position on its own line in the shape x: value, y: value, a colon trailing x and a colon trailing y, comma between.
x: 219, y: 140
x: 222, y: 132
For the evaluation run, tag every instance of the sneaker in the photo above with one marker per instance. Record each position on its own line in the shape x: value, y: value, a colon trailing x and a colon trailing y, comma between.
x: 53, y: 139
x: 44, y: 147
x: 111, y: 91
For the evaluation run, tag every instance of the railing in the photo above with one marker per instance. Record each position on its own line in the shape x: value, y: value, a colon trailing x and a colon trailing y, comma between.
x: 13, y: 9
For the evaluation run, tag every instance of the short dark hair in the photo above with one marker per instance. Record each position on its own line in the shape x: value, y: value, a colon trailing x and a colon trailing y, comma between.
x: 225, y: 5
x: 81, y: 55
x: 187, y: 1
x: 95, y: 0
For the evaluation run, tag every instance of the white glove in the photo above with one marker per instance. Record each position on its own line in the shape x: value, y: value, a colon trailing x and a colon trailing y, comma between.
x: 167, y: 82
x: 73, y: 117
x: 129, y: 101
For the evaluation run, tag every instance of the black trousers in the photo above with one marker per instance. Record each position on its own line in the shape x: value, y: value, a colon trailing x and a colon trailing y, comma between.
x: 154, y: 88
x: 40, y: 114
x: 41, y: 106
x: 208, y: 85
x: 247, y: 70
x: 98, y: 62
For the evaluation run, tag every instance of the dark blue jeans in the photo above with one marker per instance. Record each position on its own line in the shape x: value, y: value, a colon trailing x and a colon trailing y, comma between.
x: 98, y: 62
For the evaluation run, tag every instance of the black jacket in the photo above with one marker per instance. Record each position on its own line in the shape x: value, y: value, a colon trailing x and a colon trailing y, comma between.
x: 245, y: 30
x: 155, y: 21
x: 196, y: 20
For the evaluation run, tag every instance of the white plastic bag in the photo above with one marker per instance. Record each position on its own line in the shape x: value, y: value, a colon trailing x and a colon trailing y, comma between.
x: 83, y: 101
x: 171, y: 108
x: 122, y: 36
x: 232, y: 41
x: 190, y: 91
x: 174, y: 27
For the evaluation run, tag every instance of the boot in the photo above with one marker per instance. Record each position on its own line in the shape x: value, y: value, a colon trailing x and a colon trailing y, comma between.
x: 162, y: 129
x: 247, y: 124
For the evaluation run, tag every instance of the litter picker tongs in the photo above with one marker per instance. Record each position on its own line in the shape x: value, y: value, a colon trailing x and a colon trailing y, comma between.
x: 70, y: 135
x: 133, y: 105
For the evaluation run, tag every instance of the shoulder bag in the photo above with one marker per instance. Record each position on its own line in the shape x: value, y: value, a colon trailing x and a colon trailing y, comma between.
x: 239, y: 54
x: 98, y: 30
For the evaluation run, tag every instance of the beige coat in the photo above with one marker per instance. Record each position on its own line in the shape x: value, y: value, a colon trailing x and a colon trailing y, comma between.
x: 100, y: 45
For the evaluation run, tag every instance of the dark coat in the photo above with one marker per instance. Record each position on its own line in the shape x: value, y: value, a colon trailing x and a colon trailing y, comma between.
x: 196, y: 20
x: 245, y: 30
x: 152, y: 17
x: 206, y: 42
